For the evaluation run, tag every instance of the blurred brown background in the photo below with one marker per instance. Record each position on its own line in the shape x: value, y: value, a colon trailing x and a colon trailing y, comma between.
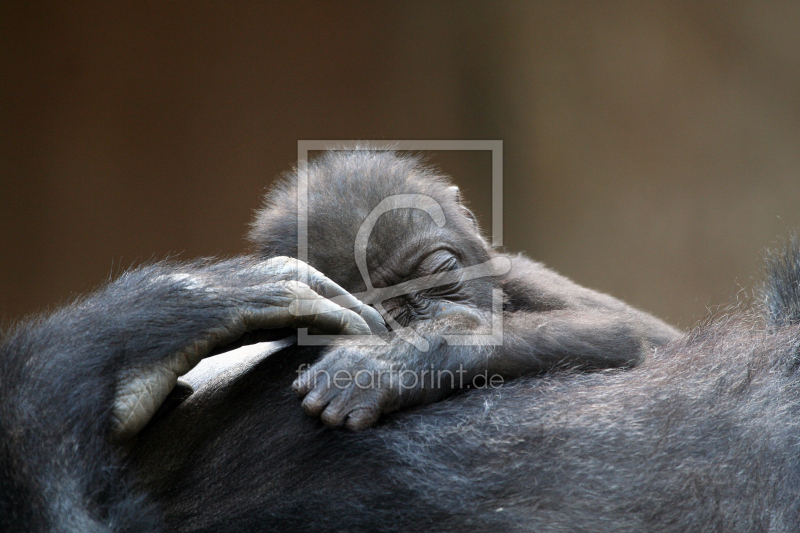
x: 652, y: 150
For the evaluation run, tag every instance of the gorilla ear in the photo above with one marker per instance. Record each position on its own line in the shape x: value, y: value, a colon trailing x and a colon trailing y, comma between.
x: 456, y: 193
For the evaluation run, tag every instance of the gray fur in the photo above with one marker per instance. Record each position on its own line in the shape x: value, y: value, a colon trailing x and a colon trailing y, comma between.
x: 549, y: 322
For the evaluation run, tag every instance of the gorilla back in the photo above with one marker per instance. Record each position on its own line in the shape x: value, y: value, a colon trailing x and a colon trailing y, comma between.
x: 702, y: 437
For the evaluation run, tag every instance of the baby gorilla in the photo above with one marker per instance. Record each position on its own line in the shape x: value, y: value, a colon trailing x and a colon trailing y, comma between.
x: 395, y: 234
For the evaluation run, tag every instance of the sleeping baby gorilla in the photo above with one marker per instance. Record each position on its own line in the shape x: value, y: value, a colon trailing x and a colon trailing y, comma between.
x: 396, y: 234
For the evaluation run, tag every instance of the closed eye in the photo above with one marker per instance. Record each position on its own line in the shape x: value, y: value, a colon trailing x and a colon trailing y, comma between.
x: 414, y: 306
x: 449, y: 290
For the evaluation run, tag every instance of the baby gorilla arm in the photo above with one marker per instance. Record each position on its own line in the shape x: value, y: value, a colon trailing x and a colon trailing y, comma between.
x: 383, y: 223
x: 549, y: 323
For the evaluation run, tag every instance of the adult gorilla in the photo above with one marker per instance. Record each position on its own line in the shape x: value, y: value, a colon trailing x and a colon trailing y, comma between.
x: 701, y: 436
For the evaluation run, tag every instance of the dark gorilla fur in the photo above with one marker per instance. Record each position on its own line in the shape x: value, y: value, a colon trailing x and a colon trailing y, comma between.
x: 702, y: 436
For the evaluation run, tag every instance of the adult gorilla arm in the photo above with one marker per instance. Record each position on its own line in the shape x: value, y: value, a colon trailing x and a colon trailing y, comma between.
x: 78, y: 383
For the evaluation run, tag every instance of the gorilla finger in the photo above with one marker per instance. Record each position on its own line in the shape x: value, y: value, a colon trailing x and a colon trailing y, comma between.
x: 313, y: 310
x: 317, y: 400
x: 294, y: 304
x: 370, y: 315
x: 307, y: 381
x: 284, y: 269
x: 362, y: 418
x: 334, y: 413
x: 326, y: 287
x: 302, y: 385
x: 373, y: 319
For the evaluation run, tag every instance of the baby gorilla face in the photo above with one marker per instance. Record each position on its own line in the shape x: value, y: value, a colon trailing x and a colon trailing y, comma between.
x: 385, y: 228
x: 443, y: 288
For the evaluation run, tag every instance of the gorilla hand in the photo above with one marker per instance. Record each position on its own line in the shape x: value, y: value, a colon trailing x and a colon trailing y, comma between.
x: 236, y: 298
x: 354, y: 384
